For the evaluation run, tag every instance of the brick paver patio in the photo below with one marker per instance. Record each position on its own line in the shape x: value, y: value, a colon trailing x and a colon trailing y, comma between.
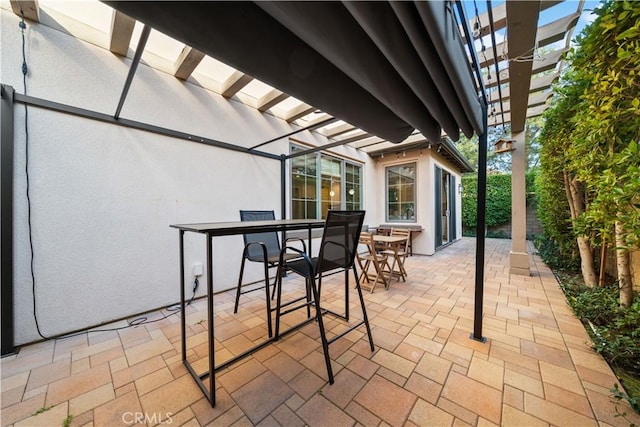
x: 536, y: 367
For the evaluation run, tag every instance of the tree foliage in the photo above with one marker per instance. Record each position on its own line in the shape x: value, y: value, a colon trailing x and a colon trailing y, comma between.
x: 590, y: 141
x: 604, y: 152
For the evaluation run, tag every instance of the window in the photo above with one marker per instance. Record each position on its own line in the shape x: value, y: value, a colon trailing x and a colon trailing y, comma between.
x: 401, y: 193
x: 352, y: 186
x: 320, y: 182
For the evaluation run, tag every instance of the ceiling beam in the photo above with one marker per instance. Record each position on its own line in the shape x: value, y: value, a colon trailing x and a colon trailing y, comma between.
x: 522, y: 18
x: 359, y: 136
x: 299, y: 111
x: 270, y: 99
x: 539, y: 98
x: 543, y: 82
x: 535, y: 99
x: 496, y: 120
x: 30, y: 9
x: 320, y: 121
x: 121, y: 32
x: 187, y: 62
x: 235, y: 83
x: 547, y: 34
x: 337, y: 130
x: 500, y: 17
x: 540, y: 65
x: 556, y: 30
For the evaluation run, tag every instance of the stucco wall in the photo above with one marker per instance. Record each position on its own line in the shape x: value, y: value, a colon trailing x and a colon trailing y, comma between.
x: 426, y: 162
x: 103, y: 196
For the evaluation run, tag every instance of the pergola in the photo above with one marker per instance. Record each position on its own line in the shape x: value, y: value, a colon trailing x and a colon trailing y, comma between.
x: 378, y: 76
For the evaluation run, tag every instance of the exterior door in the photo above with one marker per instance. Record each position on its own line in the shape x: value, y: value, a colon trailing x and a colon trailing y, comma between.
x: 445, y: 207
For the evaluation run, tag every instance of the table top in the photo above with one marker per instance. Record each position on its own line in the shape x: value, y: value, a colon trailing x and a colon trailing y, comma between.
x: 411, y: 227
x: 388, y: 239
x: 247, y: 227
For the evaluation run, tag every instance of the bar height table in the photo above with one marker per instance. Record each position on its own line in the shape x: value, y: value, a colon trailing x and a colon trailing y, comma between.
x: 216, y: 229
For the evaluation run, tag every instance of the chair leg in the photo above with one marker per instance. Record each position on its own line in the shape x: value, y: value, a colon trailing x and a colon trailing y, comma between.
x: 323, y: 335
x: 267, y: 299
x: 365, y: 318
x: 239, y: 289
x: 404, y: 272
x: 278, y: 289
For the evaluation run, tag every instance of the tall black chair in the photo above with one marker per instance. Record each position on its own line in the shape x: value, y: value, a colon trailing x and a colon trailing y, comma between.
x: 264, y: 248
x: 337, y: 254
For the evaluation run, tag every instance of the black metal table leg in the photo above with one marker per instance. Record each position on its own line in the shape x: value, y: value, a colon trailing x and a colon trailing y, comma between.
x: 212, y: 361
x: 183, y: 314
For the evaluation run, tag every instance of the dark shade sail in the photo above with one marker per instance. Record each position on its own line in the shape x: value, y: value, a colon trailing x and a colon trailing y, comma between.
x: 375, y: 65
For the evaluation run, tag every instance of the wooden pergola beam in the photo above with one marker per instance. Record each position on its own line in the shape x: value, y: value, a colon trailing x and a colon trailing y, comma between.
x: 187, y: 61
x: 299, y: 111
x: 235, y: 83
x: 30, y: 9
x: 121, y: 32
x: 270, y: 99
x: 338, y: 130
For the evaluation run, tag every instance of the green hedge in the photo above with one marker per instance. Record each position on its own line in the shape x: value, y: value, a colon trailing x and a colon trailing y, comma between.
x: 498, y: 199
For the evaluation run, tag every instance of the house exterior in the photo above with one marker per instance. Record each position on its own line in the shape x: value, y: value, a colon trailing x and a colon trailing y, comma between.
x: 93, y: 200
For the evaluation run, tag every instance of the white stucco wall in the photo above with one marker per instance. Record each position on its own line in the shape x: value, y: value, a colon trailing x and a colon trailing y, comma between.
x: 103, y: 196
x: 426, y: 162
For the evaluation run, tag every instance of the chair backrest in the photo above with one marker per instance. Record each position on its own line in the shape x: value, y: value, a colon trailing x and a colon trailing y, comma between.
x: 340, y: 239
x: 270, y: 239
x: 366, y: 239
x: 402, y: 232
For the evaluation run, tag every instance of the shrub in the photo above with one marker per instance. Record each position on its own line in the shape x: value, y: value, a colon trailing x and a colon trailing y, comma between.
x: 551, y: 253
x: 616, y: 330
x: 498, y: 200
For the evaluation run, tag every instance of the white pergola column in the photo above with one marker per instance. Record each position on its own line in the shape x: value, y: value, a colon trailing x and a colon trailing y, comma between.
x: 519, y: 258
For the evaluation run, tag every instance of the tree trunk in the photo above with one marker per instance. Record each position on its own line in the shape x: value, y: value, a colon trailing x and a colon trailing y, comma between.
x: 576, y: 206
x: 624, y: 269
x: 603, y: 262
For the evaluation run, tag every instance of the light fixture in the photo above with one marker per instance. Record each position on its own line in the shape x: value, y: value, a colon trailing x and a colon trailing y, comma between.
x: 404, y: 154
x: 382, y: 156
x: 352, y: 192
x: 476, y: 30
x: 460, y: 188
x: 332, y: 193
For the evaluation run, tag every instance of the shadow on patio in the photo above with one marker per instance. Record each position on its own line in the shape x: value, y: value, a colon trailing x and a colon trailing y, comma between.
x: 536, y: 367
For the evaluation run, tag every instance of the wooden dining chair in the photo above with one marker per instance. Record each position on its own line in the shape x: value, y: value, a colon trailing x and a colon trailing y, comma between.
x: 399, y: 253
x: 372, y: 264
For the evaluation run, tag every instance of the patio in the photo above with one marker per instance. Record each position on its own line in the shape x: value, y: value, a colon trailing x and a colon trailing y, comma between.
x: 536, y: 367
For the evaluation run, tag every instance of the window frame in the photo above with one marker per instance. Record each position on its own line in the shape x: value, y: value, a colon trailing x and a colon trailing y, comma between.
x: 414, y: 218
x: 318, y: 181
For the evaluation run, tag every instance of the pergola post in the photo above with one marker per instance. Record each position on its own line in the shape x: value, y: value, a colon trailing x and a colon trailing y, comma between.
x: 518, y: 258
x: 480, y: 226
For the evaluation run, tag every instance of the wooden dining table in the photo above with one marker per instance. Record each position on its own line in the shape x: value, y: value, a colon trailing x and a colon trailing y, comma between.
x: 393, y: 243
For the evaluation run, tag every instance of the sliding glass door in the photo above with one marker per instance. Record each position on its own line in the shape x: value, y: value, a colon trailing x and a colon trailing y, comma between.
x: 445, y: 207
